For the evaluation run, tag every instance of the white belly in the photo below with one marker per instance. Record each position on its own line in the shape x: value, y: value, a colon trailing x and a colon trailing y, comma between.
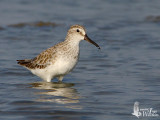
x: 60, y: 67
x: 63, y: 67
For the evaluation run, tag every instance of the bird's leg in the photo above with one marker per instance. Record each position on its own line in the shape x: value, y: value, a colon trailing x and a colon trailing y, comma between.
x: 60, y: 78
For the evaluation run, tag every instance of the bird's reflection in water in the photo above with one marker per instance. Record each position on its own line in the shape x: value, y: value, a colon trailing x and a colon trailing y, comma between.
x: 61, y: 93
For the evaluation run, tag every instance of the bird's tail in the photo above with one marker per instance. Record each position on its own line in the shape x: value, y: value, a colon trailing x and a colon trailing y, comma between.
x: 24, y: 62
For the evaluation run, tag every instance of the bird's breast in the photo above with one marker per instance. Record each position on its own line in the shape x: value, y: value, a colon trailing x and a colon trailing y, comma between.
x: 65, y: 64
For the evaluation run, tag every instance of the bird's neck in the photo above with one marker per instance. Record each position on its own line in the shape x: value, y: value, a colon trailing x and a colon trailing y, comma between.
x: 72, y: 41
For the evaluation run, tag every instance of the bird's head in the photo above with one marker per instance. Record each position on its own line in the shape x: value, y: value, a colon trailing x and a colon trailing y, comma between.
x: 78, y: 33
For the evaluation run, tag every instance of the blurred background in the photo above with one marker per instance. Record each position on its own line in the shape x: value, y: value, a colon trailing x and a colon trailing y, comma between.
x: 105, y: 83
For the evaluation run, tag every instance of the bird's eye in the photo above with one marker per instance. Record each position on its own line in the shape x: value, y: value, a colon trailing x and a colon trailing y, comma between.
x: 77, y: 30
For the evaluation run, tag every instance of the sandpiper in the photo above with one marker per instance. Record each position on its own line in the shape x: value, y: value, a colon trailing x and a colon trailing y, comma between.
x: 60, y: 59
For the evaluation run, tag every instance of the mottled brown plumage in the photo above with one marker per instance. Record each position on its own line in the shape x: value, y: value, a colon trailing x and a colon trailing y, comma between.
x: 44, y: 59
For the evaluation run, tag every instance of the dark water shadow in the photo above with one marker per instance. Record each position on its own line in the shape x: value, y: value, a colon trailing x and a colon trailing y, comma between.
x: 61, y: 93
x: 33, y: 24
x: 50, y: 85
x: 152, y: 18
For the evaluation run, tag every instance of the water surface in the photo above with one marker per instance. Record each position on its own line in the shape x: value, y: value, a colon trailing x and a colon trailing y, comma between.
x: 105, y: 83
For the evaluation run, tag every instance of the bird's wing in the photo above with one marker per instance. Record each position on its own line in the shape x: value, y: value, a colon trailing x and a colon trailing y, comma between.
x: 44, y: 59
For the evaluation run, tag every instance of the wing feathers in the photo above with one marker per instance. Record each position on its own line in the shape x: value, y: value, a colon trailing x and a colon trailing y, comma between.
x: 41, y: 61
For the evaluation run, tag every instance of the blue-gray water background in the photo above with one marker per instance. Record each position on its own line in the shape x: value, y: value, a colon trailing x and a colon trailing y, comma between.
x: 105, y: 83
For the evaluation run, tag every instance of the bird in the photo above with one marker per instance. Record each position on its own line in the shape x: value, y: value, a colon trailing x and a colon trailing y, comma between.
x: 60, y: 59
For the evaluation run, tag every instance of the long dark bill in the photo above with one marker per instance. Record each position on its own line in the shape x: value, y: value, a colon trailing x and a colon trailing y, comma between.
x: 89, y: 40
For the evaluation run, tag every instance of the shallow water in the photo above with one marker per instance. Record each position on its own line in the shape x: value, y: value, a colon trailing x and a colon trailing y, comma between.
x: 105, y: 83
